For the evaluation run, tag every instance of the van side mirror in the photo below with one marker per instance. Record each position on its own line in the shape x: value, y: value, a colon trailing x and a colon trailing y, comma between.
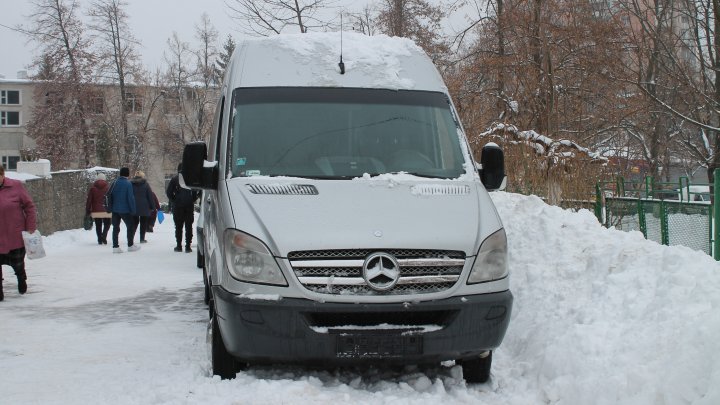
x: 195, y: 173
x: 492, y: 173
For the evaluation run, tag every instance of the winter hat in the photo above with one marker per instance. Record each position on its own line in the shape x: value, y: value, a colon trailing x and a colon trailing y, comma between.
x: 140, y: 173
x: 100, y: 176
x: 124, y: 172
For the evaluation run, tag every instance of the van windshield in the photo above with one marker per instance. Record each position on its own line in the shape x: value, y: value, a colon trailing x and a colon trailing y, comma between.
x: 339, y: 133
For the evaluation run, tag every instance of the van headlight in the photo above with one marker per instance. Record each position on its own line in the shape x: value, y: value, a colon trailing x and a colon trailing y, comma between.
x: 248, y: 259
x: 491, y: 260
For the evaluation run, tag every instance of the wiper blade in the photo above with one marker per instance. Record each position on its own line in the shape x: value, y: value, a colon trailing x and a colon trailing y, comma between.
x: 314, y: 177
x: 416, y: 174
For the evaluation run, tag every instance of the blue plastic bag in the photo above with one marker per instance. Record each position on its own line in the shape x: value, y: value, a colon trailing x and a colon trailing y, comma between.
x: 160, y: 216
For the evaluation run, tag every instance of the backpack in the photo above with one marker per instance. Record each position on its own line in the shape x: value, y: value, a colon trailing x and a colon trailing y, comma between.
x: 108, y: 199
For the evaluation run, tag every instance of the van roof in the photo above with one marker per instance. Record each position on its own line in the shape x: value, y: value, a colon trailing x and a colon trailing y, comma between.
x: 311, y: 60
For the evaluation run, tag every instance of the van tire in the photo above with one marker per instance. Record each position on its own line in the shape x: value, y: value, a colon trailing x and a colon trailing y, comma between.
x: 223, y: 364
x: 477, y: 370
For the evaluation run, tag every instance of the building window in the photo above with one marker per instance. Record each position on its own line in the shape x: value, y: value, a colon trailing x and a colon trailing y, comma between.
x: 9, y: 118
x: 191, y: 94
x: 97, y: 105
x: 172, y: 103
x: 133, y: 103
x: 10, y: 162
x: 10, y: 97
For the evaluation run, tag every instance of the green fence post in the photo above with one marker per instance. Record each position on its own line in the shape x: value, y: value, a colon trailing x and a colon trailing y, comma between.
x: 716, y: 204
x: 648, y: 187
x: 598, y: 203
x: 686, y: 187
x: 664, y: 231
x: 641, y: 217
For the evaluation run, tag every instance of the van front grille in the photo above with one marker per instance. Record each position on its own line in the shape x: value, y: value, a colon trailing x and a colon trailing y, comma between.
x: 340, y: 272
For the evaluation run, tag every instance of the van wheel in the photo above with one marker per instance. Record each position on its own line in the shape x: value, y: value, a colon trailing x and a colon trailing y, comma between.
x: 223, y: 364
x: 477, y: 370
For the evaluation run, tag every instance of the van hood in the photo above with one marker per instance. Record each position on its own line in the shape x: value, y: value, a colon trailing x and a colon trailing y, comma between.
x: 301, y: 214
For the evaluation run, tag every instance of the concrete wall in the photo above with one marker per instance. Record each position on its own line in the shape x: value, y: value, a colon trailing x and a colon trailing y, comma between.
x: 60, y: 199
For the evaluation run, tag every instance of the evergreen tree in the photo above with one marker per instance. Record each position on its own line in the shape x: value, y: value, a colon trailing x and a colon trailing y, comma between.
x: 222, y: 62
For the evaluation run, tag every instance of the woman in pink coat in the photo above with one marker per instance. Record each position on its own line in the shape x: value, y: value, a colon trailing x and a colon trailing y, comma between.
x: 18, y: 214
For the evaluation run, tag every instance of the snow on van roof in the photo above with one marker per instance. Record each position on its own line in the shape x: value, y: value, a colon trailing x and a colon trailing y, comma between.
x: 311, y: 60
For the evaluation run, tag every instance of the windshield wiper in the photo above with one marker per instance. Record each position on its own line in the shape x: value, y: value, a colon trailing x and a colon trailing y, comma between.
x: 424, y: 175
x: 313, y: 177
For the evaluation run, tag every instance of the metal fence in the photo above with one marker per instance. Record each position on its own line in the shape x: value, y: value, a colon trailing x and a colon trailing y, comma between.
x: 668, y: 213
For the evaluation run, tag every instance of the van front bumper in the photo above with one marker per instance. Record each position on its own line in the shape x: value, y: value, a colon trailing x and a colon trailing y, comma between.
x: 292, y: 330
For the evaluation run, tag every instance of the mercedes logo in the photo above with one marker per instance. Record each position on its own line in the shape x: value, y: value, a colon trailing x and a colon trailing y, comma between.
x: 381, y: 271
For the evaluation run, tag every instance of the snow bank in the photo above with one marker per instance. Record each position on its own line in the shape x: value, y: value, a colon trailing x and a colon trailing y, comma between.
x: 600, y: 317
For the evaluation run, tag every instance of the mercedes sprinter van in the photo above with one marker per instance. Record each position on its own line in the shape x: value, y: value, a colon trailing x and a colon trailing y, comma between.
x: 344, y: 219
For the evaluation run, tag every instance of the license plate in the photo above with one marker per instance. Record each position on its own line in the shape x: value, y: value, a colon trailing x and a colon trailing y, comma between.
x: 378, y: 345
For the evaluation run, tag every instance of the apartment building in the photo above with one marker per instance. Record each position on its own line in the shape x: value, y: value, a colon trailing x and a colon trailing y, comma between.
x: 160, y: 120
x: 16, y: 103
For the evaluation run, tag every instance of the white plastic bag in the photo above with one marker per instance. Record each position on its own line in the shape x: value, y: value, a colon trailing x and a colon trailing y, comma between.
x: 33, y: 244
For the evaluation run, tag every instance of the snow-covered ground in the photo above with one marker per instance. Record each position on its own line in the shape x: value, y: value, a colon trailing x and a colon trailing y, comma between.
x: 600, y: 317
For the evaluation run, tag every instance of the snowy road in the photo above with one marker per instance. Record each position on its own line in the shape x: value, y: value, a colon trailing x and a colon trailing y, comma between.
x: 600, y: 317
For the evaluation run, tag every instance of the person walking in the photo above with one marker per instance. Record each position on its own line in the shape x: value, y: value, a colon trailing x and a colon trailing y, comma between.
x: 123, y: 209
x: 18, y: 214
x: 153, y: 213
x: 183, y: 209
x: 144, y: 204
x: 96, y: 209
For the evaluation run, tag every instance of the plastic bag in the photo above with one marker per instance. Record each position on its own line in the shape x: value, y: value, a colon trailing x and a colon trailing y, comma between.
x: 160, y: 216
x: 87, y: 222
x: 33, y: 244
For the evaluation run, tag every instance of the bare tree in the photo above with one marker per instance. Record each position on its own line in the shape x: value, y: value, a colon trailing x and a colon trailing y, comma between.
x: 206, y: 94
x: 188, y: 97
x: 207, y: 36
x: 364, y: 21
x: 676, y: 54
x: 58, y: 123
x: 119, y: 64
x: 267, y: 17
x: 417, y: 20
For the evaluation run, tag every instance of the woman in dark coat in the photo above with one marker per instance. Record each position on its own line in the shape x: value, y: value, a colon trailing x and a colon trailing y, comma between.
x: 96, y: 209
x: 144, y: 203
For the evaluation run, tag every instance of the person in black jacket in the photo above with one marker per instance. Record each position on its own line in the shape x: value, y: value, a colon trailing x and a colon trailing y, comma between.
x: 144, y: 203
x: 183, y: 209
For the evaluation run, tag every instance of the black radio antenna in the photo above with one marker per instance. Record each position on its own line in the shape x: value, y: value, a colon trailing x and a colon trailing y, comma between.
x: 341, y: 64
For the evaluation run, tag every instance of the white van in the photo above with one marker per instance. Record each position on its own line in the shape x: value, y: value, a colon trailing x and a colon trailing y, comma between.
x: 344, y: 220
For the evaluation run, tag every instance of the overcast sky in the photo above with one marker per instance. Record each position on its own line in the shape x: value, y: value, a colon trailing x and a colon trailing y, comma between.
x: 152, y: 21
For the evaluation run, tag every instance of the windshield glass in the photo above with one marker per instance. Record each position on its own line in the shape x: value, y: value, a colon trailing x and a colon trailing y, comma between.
x: 343, y: 133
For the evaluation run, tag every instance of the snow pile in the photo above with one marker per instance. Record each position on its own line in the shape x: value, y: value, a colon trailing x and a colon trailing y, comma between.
x: 313, y: 59
x: 603, y: 316
x: 600, y: 317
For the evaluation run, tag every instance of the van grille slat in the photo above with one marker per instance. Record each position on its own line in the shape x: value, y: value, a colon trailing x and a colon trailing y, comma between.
x: 339, y: 272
